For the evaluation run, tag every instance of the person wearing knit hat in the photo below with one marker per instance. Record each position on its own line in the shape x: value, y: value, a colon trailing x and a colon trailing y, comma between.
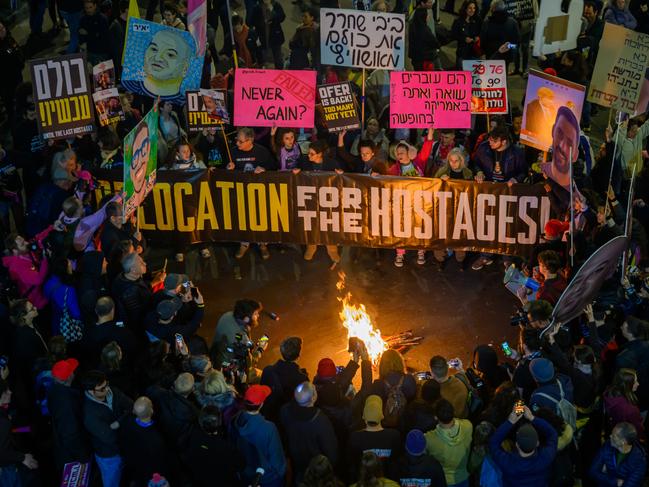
x: 551, y: 387
x: 415, y: 466
x: 385, y: 442
x: 158, y: 481
x: 533, y: 456
x: 554, y: 229
x: 326, y: 369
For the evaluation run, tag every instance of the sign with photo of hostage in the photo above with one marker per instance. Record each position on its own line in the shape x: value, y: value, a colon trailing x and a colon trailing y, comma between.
x: 62, y: 96
x: 140, y: 161
x: 108, y: 106
x: 544, y: 95
x: 198, y: 116
x: 338, y: 106
x: 160, y: 61
x: 103, y: 75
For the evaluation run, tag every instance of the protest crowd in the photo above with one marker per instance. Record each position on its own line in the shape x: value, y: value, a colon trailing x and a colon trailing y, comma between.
x: 109, y: 374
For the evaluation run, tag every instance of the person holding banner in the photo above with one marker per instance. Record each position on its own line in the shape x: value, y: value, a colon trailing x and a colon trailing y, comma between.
x: 369, y: 161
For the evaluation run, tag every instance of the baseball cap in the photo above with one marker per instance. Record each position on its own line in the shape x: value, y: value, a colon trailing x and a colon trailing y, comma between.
x: 555, y: 228
x: 527, y: 438
x: 326, y: 368
x: 256, y: 394
x: 167, y: 308
x: 63, y: 369
x: 373, y: 410
x: 172, y: 281
x: 415, y: 443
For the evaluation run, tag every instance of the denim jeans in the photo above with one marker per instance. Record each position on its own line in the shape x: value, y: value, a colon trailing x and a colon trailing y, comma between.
x: 9, y: 477
x: 36, y: 15
x: 111, y: 469
x: 73, y: 20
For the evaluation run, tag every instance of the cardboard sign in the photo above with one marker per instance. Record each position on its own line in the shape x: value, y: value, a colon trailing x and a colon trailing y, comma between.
x: 489, y: 86
x: 359, y: 39
x: 556, y: 30
x: 520, y: 9
x: 140, y: 161
x: 270, y: 97
x: 108, y: 106
x: 103, y: 75
x: 338, y: 107
x: 76, y: 475
x: 160, y: 61
x: 62, y: 96
x: 414, y: 96
x: 198, y: 116
x: 619, y: 73
x: 544, y: 95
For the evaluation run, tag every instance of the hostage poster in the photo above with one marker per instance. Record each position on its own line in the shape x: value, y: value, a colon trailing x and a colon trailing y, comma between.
x: 206, y: 109
x: 160, y: 61
x: 61, y: 91
x: 108, y: 106
x: 339, y: 109
x: 140, y: 161
x: 270, y: 97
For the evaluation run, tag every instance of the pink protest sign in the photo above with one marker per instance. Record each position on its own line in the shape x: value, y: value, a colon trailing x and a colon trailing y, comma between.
x: 414, y: 96
x: 267, y: 97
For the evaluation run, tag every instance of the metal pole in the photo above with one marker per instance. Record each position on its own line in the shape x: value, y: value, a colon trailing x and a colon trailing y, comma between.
x: 363, y: 104
x: 234, y: 47
x: 610, y: 176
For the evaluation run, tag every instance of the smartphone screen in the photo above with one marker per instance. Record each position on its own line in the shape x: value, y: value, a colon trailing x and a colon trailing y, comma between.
x: 506, y: 349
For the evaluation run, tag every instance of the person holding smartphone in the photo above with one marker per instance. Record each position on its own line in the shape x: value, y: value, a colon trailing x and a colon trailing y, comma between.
x: 168, y: 322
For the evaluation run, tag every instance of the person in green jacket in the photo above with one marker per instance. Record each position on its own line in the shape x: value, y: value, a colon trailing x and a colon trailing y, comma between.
x: 450, y: 444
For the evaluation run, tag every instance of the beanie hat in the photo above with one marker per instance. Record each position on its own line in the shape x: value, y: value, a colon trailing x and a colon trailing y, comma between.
x: 256, y: 394
x: 373, y: 410
x: 63, y: 369
x: 527, y: 438
x: 326, y: 368
x: 550, y: 71
x: 542, y: 370
x: 555, y: 228
x: 415, y: 443
x: 158, y: 481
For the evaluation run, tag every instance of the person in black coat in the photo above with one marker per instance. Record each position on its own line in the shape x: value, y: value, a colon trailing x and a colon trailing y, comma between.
x: 204, y: 451
x: 423, y: 45
x: 142, y: 445
x: 415, y: 467
x: 64, y: 405
x: 308, y: 430
x: 115, y: 231
x: 165, y: 326
x: 12, y: 63
x: 132, y: 294
x: 466, y: 31
x: 92, y: 284
x: 266, y: 18
x: 176, y: 412
x: 104, y: 408
x: 498, y: 29
x: 283, y: 377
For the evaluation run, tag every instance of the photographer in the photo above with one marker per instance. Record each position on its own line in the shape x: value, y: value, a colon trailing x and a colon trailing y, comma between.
x: 530, y: 348
x: 168, y: 328
x: 27, y: 268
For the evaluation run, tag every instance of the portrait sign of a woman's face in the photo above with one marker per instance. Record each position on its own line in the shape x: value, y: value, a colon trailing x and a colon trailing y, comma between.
x: 160, y: 61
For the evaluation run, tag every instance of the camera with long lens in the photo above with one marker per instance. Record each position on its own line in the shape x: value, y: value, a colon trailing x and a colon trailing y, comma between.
x: 519, y: 318
x: 241, y: 353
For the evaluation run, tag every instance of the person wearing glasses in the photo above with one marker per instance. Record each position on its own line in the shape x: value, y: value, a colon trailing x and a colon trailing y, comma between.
x: 138, y: 169
x: 103, y: 410
x: 248, y: 156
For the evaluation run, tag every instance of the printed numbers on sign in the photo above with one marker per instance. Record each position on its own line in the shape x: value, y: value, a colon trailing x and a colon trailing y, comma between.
x: 495, y: 68
x: 479, y: 69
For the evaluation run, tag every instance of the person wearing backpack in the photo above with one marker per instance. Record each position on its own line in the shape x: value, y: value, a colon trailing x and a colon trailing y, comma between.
x: 384, y: 442
x: 553, y: 392
x: 394, y: 386
x: 258, y: 440
x: 450, y: 444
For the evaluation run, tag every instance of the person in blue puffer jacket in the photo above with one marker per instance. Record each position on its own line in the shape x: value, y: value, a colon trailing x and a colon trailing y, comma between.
x: 621, y: 460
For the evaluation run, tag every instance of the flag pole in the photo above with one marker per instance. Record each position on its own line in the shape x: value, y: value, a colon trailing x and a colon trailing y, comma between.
x: 363, y: 104
x: 234, y: 48
x: 572, y: 216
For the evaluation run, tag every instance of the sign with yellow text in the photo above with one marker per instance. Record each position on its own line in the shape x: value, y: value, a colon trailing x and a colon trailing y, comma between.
x: 62, y: 96
x: 347, y: 209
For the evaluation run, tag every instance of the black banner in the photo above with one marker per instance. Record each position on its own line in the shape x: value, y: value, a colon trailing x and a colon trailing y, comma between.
x: 62, y: 96
x: 347, y: 209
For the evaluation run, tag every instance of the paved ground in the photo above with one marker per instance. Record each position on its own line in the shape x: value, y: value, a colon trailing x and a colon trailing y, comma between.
x: 454, y: 311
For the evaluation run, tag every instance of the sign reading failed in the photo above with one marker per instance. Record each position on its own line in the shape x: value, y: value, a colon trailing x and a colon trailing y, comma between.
x: 62, y: 96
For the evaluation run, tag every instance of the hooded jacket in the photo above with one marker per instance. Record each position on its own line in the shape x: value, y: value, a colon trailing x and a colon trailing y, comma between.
x: 28, y: 277
x: 451, y: 447
x: 617, y: 16
x: 70, y: 441
x: 414, y: 471
x: 619, y: 409
x: 259, y: 441
x: 98, y: 416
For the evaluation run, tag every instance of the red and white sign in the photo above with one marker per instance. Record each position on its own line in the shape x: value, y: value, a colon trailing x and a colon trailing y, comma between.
x: 489, y: 85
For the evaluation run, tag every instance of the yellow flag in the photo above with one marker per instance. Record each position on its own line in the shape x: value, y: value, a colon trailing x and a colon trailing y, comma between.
x: 134, y: 12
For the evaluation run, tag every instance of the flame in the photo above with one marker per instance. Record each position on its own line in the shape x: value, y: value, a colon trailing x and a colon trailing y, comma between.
x: 359, y: 324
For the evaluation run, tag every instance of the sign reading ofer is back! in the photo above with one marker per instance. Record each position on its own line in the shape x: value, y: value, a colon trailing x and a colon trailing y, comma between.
x: 62, y: 96
x: 348, y: 209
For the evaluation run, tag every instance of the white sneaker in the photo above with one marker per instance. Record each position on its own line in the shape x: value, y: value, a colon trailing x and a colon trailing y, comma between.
x: 421, y: 257
x: 398, y: 260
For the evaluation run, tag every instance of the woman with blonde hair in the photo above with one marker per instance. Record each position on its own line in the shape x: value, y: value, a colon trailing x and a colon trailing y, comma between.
x: 215, y: 391
x: 621, y: 402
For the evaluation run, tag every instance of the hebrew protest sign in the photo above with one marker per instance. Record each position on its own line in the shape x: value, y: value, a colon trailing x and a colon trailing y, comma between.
x: 108, y: 106
x: 338, y: 107
x: 415, y: 95
x: 489, y: 86
x: 62, y: 96
x: 619, y: 74
x: 198, y: 114
x: 358, y: 39
x: 160, y: 61
x: 103, y: 75
x: 557, y: 27
x: 545, y: 94
x: 520, y: 9
x: 270, y: 97
x: 347, y: 209
x: 140, y: 161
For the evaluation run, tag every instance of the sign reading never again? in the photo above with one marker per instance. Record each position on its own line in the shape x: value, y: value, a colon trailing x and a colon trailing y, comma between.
x: 358, y: 39
x: 346, y: 209
x: 62, y: 96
